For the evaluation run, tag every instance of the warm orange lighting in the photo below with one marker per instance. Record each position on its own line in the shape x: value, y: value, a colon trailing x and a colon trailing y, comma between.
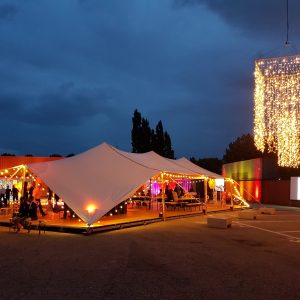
x: 91, y: 208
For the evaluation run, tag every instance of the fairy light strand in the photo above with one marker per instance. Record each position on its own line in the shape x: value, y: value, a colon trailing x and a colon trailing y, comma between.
x: 277, y: 108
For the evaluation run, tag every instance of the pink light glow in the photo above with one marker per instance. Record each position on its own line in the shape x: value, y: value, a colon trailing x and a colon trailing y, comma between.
x: 156, y: 186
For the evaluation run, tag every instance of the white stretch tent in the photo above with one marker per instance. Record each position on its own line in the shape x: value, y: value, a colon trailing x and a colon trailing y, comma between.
x: 102, y: 177
x: 184, y: 162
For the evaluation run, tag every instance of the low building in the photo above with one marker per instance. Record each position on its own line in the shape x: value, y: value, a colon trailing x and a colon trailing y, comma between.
x: 261, y: 180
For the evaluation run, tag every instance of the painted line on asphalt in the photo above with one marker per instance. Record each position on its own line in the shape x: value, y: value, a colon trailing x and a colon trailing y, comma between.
x: 274, y: 221
x: 292, y: 238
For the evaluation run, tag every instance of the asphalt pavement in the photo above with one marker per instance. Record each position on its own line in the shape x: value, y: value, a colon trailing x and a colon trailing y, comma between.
x: 178, y: 259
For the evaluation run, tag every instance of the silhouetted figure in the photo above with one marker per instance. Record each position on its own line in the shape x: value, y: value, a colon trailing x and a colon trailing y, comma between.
x: 56, y: 207
x: 177, y: 190
x: 7, y: 195
x: 170, y: 196
x: 30, y: 191
x: 25, y: 190
x: 2, y: 194
x: 167, y: 190
x: 32, y: 209
x: 37, y: 193
x: 22, y: 218
x: 15, y: 193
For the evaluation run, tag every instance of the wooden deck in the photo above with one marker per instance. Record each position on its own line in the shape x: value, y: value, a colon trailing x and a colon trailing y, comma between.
x: 135, y: 216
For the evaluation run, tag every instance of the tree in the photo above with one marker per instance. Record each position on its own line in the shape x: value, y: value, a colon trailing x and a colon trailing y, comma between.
x: 159, y: 139
x: 243, y: 148
x: 7, y: 154
x: 55, y: 155
x: 212, y: 164
x: 168, y: 151
x: 141, y: 136
x: 144, y: 139
x: 136, y: 131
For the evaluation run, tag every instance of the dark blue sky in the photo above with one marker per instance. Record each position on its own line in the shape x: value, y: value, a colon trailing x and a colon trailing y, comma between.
x: 73, y: 71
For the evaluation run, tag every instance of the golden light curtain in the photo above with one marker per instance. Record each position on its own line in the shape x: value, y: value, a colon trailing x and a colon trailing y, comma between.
x: 277, y: 108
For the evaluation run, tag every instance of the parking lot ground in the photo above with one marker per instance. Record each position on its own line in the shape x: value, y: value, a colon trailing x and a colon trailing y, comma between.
x: 178, y: 259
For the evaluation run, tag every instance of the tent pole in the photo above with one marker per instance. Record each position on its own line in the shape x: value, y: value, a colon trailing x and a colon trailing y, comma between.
x: 150, y: 190
x: 231, y: 197
x: 205, y: 194
x: 162, y: 197
x: 23, y: 180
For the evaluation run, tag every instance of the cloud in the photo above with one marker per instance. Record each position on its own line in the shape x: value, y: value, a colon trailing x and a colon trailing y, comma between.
x: 8, y: 11
x: 72, y: 67
x: 67, y: 105
x: 256, y: 18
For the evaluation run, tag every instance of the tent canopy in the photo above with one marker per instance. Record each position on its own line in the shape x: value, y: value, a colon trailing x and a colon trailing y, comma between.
x: 184, y: 162
x: 95, y: 181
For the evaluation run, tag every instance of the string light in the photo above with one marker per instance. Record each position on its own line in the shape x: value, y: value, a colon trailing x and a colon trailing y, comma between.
x: 277, y: 108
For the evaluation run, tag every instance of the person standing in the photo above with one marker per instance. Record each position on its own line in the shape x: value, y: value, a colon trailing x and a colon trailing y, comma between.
x: 32, y: 209
x: 2, y: 193
x: 15, y: 193
x: 37, y: 194
x: 25, y: 190
x: 30, y: 190
x: 7, y: 195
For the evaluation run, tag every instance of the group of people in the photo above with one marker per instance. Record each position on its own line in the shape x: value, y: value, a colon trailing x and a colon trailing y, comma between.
x: 6, y: 193
x: 178, y: 190
x: 30, y: 203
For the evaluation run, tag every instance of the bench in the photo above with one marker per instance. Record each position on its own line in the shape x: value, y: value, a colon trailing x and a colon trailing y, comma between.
x: 219, y: 221
x: 267, y: 210
x: 248, y: 214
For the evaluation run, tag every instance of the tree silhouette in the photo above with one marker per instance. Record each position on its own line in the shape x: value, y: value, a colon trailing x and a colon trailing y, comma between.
x: 141, y: 135
x: 144, y: 139
x: 159, y: 140
x: 212, y: 164
x: 243, y: 148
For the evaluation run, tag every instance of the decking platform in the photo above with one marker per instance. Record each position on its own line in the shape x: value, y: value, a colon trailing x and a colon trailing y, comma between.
x: 134, y: 217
